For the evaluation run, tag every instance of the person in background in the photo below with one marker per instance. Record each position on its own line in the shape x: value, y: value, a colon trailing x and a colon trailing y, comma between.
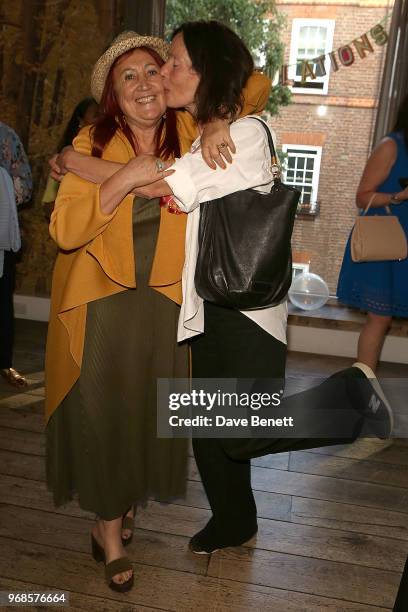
x: 380, y: 288
x: 14, y: 161
x: 85, y: 113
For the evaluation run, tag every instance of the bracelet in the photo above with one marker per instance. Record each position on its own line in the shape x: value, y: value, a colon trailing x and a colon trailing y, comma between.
x: 393, y: 199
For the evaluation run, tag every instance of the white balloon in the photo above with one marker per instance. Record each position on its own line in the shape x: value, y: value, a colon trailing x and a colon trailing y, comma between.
x: 308, y: 291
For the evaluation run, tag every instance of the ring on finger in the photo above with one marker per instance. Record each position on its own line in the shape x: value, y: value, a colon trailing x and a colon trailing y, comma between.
x: 222, y: 145
x: 159, y: 165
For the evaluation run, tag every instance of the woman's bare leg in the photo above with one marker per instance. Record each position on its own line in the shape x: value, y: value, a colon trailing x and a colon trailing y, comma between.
x: 108, y: 534
x: 372, y: 338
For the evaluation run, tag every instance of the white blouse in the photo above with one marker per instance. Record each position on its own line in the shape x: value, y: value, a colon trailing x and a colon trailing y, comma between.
x: 194, y: 182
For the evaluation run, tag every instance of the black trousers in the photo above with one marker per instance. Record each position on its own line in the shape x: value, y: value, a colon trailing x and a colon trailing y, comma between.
x: 233, y: 346
x: 7, y: 283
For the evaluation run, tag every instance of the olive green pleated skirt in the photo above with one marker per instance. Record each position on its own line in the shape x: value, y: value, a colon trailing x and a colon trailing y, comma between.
x: 102, y: 446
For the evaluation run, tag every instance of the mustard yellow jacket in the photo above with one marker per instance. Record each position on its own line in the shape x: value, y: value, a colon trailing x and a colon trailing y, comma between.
x: 96, y: 257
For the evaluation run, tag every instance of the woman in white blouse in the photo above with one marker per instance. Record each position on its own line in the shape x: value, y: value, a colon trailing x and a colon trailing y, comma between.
x: 234, y: 344
x: 227, y: 343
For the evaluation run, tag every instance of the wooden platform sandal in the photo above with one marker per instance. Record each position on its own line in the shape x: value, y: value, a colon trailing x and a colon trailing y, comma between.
x: 117, y: 566
x: 128, y: 522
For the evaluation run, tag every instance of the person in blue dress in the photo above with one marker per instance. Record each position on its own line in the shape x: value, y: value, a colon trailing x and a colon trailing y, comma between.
x: 380, y: 288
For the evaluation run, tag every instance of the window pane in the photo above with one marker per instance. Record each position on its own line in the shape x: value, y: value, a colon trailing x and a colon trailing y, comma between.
x: 307, y: 195
x: 303, y: 35
x: 300, y: 172
x: 318, y: 70
x: 311, y: 41
x: 322, y: 35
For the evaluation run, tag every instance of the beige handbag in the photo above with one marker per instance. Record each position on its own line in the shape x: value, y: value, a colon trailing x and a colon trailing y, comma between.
x: 378, y: 237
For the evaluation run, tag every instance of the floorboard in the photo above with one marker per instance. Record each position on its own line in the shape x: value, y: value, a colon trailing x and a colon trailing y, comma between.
x: 333, y: 522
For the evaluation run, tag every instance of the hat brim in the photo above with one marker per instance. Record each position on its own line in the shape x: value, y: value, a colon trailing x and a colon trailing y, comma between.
x: 121, y: 45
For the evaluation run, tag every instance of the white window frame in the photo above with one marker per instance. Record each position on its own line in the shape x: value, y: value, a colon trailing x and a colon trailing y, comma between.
x: 329, y: 24
x: 299, y: 268
x: 316, y: 170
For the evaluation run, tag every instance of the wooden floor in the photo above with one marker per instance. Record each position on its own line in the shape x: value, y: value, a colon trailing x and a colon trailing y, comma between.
x: 333, y: 526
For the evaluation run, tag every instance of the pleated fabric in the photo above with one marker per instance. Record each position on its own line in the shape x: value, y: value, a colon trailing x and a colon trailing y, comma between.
x: 102, y: 446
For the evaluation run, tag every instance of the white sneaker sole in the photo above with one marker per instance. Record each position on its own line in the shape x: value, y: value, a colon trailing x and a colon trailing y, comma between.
x: 203, y: 552
x: 367, y: 371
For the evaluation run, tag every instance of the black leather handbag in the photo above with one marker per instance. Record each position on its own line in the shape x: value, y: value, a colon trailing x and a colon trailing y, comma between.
x: 245, y: 259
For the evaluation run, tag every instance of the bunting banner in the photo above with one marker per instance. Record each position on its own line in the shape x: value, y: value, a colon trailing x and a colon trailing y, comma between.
x: 345, y: 55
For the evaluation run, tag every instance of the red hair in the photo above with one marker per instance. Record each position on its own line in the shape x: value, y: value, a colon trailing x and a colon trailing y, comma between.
x: 112, y: 118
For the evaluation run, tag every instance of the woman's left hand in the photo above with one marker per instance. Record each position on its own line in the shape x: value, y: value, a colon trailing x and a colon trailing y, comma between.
x: 216, y: 144
x: 55, y: 171
x: 59, y: 163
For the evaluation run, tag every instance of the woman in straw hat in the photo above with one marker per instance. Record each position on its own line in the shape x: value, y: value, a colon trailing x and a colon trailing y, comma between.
x: 108, y: 342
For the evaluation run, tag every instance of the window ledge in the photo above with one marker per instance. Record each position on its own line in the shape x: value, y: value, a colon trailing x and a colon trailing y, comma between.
x: 336, y: 316
x: 308, y: 212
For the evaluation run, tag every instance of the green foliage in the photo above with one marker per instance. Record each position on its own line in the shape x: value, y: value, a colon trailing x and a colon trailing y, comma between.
x: 258, y: 23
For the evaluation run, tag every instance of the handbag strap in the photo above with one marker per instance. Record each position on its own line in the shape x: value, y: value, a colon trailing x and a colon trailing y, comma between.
x: 387, y: 208
x: 276, y: 170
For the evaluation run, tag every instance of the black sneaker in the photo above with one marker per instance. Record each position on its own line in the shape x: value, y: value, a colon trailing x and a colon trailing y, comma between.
x: 371, y: 401
x: 205, y: 542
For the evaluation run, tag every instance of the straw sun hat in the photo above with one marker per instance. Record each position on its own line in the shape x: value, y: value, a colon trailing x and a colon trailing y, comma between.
x: 122, y: 43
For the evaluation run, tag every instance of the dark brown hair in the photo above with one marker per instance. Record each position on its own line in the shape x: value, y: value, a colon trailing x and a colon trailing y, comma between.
x: 224, y: 64
x: 111, y: 119
x: 74, y: 124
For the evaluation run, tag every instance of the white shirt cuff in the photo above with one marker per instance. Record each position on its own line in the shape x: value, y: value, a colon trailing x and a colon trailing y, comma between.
x: 184, y: 189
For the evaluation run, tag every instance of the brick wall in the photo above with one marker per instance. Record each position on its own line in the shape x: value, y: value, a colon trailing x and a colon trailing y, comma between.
x: 345, y: 132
